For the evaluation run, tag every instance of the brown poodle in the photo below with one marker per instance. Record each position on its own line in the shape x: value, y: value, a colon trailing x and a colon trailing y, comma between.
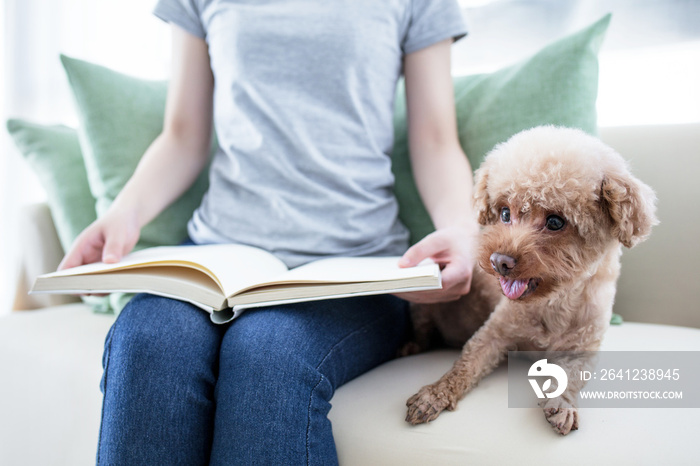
x: 556, y: 205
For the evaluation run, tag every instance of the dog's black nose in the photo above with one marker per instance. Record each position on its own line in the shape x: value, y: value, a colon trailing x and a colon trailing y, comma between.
x: 502, y: 264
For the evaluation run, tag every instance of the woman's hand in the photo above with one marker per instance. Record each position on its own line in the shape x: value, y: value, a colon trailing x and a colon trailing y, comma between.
x: 453, y: 249
x: 107, y: 239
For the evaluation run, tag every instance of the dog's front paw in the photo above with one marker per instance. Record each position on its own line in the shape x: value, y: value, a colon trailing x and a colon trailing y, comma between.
x: 562, y: 415
x: 427, y: 404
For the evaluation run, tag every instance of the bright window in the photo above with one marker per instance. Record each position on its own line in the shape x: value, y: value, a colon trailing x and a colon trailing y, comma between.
x: 649, y: 63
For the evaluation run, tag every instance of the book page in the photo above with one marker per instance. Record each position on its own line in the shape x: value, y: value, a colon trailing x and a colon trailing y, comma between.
x: 238, y: 266
x: 349, y: 270
x: 338, y: 278
x: 232, y: 266
x: 356, y: 269
x: 170, y: 281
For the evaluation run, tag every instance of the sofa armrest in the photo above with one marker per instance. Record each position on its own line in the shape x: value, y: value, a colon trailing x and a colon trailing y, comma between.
x: 41, y: 253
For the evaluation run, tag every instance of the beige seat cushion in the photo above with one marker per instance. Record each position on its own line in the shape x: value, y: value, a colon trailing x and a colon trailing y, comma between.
x: 50, y: 361
x: 50, y: 370
x: 368, y: 415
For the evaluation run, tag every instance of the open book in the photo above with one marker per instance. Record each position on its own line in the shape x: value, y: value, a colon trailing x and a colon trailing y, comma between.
x: 225, y: 279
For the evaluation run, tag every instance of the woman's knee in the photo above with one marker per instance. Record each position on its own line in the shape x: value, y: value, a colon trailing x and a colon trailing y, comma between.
x: 154, y: 334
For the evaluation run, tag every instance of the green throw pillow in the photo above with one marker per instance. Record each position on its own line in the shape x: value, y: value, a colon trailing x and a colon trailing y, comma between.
x: 120, y: 116
x: 558, y: 86
x: 53, y: 153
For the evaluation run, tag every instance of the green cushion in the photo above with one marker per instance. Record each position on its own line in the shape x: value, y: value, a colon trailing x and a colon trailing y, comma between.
x: 120, y: 116
x: 53, y: 153
x: 558, y: 85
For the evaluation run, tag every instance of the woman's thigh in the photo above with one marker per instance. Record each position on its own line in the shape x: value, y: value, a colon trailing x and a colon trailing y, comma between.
x: 280, y: 366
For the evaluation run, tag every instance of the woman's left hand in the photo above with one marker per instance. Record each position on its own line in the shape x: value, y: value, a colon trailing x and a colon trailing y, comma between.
x: 453, y: 249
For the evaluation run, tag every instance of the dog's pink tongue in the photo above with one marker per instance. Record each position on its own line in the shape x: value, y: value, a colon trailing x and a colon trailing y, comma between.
x: 513, y: 289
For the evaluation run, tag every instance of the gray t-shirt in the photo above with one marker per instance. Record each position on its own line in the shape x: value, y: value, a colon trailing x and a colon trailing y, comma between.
x: 303, y: 109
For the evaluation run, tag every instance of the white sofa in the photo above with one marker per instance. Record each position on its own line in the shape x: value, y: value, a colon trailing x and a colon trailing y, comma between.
x: 50, y: 358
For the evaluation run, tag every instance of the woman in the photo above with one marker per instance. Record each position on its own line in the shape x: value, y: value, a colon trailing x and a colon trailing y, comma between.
x: 301, y: 96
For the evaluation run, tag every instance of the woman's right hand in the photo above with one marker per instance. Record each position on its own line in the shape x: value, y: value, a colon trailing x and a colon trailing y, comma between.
x: 107, y: 239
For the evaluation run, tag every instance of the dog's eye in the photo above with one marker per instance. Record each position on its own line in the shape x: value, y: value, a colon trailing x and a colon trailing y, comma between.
x: 505, y: 215
x: 555, y: 222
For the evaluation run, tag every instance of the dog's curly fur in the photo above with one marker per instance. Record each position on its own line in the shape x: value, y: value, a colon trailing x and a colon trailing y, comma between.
x: 557, y: 287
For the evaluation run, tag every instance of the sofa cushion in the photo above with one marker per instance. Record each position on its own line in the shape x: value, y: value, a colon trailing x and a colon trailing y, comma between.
x: 558, y: 86
x: 53, y: 153
x: 50, y: 400
x: 368, y: 417
x: 50, y: 361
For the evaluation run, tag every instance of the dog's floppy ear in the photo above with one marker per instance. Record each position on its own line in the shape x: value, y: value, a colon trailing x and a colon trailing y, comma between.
x: 631, y: 206
x: 482, y: 202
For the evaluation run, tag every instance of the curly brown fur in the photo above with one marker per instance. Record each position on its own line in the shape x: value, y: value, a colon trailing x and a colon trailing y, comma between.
x: 541, y: 284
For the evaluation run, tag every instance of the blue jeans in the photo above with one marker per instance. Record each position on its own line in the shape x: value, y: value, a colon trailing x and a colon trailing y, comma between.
x: 181, y: 390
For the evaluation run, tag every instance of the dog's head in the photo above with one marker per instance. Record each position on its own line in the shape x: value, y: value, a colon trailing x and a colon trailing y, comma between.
x: 553, y: 200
